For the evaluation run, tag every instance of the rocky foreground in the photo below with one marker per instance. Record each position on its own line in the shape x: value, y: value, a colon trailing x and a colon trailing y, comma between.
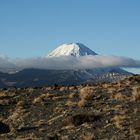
x: 99, y: 112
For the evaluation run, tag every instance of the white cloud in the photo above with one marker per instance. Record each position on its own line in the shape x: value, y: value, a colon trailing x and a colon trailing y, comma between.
x: 5, y: 62
x: 83, y: 62
x: 68, y: 63
x: 133, y: 70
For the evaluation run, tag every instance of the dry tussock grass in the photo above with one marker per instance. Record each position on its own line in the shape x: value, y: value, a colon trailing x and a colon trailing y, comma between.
x: 62, y: 89
x: 82, y: 103
x: 2, y: 94
x: 16, y: 118
x: 71, y: 104
x: 136, y: 110
x: 107, y: 86
x: 58, y: 97
x: 4, y: 102
x: 87, y: 93
x: 111, y: 90
x: 30, y: 90
x: 31, y: 136
x: 20, y: 105
x: 5, y: 94
x: 119, y: 120
x: 88, y: 136
x: 58, y: 109
x: 136, y: 93
x: 13, y: 131
x: 73, y: 95
x: 120, y: 97
x: 65, y: 138
x: 73, y: 88
x: 41, y: 122
x: 39, y: 99
x: 49, y: 95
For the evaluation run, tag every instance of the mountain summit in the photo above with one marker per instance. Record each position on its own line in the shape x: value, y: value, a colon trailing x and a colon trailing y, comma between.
x: 71, y: 49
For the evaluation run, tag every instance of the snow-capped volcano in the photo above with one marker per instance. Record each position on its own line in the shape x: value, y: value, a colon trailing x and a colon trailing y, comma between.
x: 32, y: 77
x: 71, y: 49
x: 90, y: 75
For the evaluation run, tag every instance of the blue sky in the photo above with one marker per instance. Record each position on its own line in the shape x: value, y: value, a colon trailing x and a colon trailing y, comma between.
x: 31, y: 28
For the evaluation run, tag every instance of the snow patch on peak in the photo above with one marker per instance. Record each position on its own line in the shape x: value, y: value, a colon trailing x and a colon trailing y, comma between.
x: 71, y: 49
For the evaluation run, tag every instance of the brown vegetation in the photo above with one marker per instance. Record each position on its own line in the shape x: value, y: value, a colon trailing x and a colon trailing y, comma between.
x: 80, y: 118
x: 82, y: 103
x: 136, y: 93
x: 104, y: 111
x: 120, y: 97
x: 87, y: 93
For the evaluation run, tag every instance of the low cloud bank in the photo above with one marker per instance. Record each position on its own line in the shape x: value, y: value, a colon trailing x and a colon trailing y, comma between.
x: 5, y: 62
x: 83, y: 62
x: 69, y: 62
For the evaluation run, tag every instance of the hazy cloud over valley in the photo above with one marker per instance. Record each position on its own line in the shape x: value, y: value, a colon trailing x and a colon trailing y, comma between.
x: 69, y: 62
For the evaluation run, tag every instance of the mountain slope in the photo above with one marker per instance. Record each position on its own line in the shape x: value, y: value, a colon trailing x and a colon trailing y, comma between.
x: 37, y: 77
